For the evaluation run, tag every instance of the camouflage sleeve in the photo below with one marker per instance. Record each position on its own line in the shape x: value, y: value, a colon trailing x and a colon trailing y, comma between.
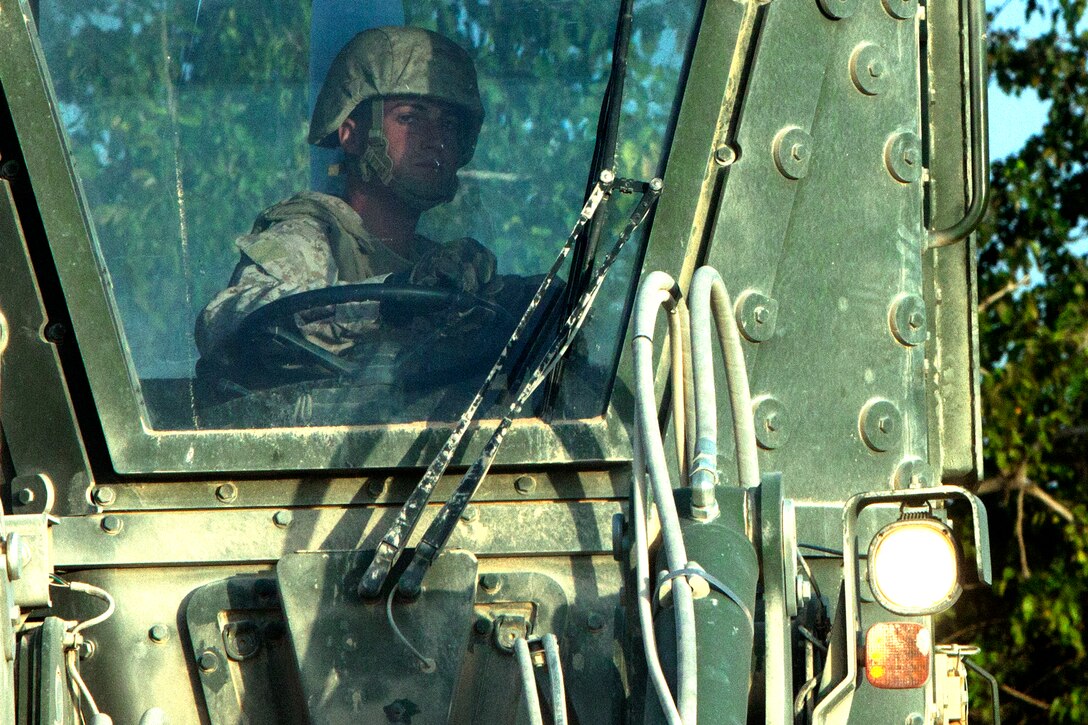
x: 290, y: 257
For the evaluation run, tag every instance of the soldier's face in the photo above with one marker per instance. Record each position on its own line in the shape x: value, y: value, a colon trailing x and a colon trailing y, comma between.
x: 423, y: 140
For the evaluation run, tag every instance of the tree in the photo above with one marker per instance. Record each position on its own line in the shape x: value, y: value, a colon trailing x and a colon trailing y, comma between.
x: 1033, y: 277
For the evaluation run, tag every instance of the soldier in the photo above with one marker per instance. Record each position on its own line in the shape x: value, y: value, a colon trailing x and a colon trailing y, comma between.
x: 403, y: 105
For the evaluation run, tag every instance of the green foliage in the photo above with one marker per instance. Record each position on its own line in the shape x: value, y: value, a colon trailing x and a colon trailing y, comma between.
x: 1034, y: 343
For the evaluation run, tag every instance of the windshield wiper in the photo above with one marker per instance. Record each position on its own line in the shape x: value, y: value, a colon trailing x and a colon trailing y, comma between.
x: 438, y: 533
x: 395, y: 539
x: 604, y: 157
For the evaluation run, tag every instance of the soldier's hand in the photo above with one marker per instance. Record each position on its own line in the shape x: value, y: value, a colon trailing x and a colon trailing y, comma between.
x: 462, y: 264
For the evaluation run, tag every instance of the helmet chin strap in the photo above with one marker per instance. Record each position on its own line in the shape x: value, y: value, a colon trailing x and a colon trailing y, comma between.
x: 374, y: 164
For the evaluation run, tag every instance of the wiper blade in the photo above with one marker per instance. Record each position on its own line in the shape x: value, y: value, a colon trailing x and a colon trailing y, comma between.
x: 438, y: 533
x: 604, y: 157
x: 395, y: 539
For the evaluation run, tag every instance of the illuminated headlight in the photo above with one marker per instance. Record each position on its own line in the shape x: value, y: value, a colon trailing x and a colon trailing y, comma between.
x: 913, y: 567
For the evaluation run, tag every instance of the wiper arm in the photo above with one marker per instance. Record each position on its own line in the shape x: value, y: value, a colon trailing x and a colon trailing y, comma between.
x: 395, y: 539
x: 438, y: 533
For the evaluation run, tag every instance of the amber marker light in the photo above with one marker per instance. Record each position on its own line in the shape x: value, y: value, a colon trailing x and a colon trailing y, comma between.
x: 897, y: 655
x: 913, y: 567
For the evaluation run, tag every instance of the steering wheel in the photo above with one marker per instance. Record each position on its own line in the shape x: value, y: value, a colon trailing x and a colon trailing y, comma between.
x: 276, y: 322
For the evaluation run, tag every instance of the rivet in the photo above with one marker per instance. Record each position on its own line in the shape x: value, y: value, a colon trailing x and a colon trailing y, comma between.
x: 208, y: 661
x: 112, y: 524
x: 282, y: 519
x: 756, y: 314
x: 771, y: 422
x: 902, y: 156
x: 158, y: 633
x: 838, y: 9
x: 912, y: 472
x: 104, y: 496
x: 880, y: 424
x: 792, y: 148
x: 226, y: 492
x: 525, y: 484
x: 907, y: 319
x: 901, y: 9
x: 868, y: 69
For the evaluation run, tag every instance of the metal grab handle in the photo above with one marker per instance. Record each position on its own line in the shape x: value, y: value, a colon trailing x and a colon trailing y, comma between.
x: 980, y: 152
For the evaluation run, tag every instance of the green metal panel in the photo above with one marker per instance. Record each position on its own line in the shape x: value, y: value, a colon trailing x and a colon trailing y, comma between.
x: 950, y: 289
x: 834, y: 248
x: 41, y: 432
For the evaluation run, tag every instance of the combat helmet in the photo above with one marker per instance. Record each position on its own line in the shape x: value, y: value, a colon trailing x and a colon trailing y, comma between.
x: 395, y: 62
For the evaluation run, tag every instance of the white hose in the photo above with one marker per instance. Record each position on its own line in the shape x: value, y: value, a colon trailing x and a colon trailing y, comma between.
x: 656, y: 291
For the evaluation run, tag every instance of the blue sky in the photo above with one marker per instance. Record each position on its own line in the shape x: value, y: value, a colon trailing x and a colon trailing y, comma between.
x: 1014, y: 118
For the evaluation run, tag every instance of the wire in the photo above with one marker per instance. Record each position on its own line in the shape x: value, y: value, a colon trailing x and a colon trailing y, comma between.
x: 427, y: 663
x: 94, y: 592
x: 85, y: 693
x: 821, y: 549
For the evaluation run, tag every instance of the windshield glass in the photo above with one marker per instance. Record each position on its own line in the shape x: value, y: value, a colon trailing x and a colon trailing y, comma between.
x: 239, y: 154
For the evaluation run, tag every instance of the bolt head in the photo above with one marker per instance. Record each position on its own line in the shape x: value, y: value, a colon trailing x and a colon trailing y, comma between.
x: 112, y: 524
x: 158, y: 633
x: 910, y: 156
x: 771, y: 422
x: 104, y: 496
x: 375, y: 488
x: 24, y: 497
x: 799, y: 151
x: 595, y: 622
x: 725, y: 155
x: 282, y: 519
x: 762, y: 314
x: 876, y: 69
x: 227, y: 492
x: 470, y: 514
x: 525, y: 484
x: 490, y: 582
x: 915, y: 320
x: 483, y: 626
x: 607, y: 176
x: 208, y: 661
x: 87, y: 648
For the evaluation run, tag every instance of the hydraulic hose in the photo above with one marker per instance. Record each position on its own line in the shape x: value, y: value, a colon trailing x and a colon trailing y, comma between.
x: 658, y: 289
x: 708, y: 295
x: 644, y: 588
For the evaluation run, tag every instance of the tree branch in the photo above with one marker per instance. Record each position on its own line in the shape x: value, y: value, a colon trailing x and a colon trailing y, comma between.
x: 1034, y: 701
x: 1052, y: 503
x: 1025, y: 570
x: 1009, y: 287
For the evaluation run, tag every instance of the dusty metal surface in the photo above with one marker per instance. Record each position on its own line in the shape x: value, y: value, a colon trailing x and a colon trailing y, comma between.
x: 247, y: 535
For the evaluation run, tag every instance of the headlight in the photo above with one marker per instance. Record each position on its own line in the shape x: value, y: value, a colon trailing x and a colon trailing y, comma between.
x: 913, y: 567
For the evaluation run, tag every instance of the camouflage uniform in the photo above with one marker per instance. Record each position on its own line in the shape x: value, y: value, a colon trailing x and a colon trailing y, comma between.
x: 309, y: 241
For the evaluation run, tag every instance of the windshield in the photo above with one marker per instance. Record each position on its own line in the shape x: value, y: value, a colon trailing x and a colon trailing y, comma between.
x: 194, y: 130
